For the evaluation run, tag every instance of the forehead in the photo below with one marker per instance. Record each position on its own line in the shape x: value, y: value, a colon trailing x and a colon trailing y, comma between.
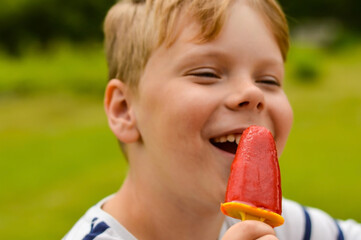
x: 207, y: 28
x: 244, y: 28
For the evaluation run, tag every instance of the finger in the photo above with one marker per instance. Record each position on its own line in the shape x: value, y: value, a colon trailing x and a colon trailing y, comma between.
x: 268, y: 237
x: 248, y: 230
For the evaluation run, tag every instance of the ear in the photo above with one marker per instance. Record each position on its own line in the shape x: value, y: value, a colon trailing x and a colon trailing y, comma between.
x: 121, y: 118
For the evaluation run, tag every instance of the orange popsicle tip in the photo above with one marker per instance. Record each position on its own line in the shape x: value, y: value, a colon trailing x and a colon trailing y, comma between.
x: 246, y: 212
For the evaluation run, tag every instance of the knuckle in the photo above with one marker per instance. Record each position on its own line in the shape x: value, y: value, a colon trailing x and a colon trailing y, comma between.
x: 268, y: 237
x: 251, y: 230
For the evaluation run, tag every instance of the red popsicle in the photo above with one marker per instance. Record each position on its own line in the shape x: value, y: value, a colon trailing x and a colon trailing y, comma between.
x: 254, y: 185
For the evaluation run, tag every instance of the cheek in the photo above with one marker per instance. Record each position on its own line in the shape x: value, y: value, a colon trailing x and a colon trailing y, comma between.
x: 282, y: 116
x: 176, y: 112
x: 188, y: 107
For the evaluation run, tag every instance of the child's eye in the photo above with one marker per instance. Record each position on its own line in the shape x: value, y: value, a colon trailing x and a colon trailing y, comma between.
x: 269, y: 81
x: 204, y: 76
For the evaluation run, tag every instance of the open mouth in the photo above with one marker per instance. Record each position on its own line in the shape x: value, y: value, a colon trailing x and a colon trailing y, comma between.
x: 227, y: 143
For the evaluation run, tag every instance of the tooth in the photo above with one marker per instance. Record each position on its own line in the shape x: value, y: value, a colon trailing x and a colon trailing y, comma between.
x: 230, y: 138
x: 223, y: 139
x: 238, y: 138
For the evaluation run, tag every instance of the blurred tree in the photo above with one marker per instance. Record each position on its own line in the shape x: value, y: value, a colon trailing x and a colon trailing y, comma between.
x: 42, y: 21
x: 347, y: 12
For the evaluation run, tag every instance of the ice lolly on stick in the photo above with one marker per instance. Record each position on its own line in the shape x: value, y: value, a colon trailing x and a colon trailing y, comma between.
x: 254, y: 185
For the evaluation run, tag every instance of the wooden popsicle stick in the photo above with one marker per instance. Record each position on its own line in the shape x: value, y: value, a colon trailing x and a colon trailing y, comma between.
x: 246, y: 216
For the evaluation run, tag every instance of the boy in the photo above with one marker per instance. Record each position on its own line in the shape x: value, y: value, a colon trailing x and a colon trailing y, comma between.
x: 186, y: 79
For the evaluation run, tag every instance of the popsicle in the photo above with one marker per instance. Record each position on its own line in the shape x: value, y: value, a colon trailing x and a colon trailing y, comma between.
x: 254, y: 185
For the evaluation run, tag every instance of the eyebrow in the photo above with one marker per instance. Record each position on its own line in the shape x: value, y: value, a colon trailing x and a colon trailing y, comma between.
x: 271, y: 62
x: 193, y: 55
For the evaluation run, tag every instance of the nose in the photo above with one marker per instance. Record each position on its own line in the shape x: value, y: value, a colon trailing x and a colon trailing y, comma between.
x: 246, y: 96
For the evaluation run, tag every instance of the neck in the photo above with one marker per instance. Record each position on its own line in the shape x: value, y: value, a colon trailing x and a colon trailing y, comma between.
x: 148, y: 212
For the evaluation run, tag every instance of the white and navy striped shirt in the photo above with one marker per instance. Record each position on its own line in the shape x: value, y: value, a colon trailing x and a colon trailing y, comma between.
x: 301, y: 223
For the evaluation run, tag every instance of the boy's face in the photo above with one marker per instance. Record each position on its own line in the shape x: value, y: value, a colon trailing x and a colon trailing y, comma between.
x: 191, y: 95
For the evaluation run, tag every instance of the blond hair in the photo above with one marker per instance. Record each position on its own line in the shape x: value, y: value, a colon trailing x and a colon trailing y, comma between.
x: 134, y: 28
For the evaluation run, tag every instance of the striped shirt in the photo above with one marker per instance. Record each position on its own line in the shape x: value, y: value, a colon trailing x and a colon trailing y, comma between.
x: 301, y: 223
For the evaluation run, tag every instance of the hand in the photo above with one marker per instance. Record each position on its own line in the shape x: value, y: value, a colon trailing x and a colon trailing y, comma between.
x: 250, y: 230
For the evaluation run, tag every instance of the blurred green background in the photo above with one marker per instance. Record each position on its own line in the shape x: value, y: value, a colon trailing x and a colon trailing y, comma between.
x: 58, y: 157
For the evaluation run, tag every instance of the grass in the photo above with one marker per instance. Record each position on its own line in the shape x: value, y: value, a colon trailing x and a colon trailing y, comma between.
x: 64, y: 67
x: 321, y: 163
x: 58, y: 156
